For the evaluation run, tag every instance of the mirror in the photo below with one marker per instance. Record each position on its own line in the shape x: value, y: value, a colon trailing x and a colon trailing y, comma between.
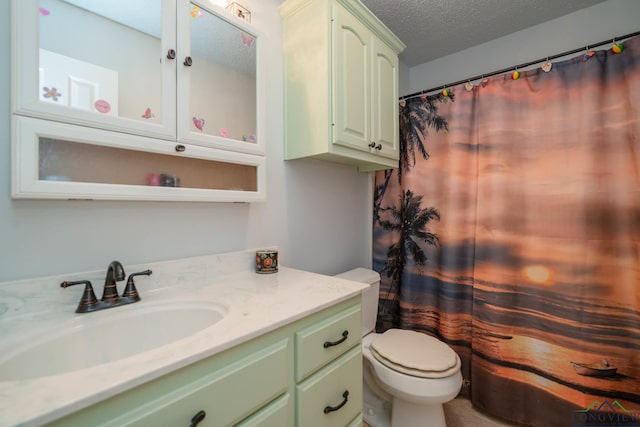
x: 106, y: 57
x: 102, y: 56
x: 223, y: 78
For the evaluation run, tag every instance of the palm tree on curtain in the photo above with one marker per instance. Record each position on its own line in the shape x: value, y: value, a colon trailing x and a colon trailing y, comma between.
x: 410, y: 220
x: 416, y: 116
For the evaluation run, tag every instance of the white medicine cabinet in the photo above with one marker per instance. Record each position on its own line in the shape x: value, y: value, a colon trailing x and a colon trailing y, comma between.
x: 136, y: 100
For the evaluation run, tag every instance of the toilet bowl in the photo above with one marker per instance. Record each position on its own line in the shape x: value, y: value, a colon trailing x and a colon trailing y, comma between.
x: 408, y: 375
x: 416, y: 401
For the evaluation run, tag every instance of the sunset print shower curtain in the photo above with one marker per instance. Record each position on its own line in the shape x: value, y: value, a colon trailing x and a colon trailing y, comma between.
x: 512, y: 232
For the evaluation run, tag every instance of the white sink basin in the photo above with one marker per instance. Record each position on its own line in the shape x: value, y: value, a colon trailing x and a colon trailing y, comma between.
x: 95, y: 338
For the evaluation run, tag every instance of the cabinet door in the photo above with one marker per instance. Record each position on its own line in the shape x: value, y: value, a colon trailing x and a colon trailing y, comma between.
x: 99, y: 64
x: 351, y: 81
x: 277, y: 414
x: 384, y: 92
x: 219, y: 86
x: 226, y: 396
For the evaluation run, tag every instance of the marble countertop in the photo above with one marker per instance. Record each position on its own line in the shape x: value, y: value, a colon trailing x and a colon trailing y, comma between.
x: 256, y: 304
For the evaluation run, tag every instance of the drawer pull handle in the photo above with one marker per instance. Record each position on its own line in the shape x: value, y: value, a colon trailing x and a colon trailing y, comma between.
x: 328, y: 344
x: 345, y: 396
x: 180, y: 148
x: 197, y: 418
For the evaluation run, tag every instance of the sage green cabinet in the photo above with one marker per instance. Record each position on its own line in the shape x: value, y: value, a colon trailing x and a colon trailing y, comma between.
x: 286, y: 377
x: 341, y: 84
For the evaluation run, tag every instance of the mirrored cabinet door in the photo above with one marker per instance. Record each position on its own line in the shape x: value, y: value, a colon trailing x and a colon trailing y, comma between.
x: 219, y: 87
x: 108, y: 64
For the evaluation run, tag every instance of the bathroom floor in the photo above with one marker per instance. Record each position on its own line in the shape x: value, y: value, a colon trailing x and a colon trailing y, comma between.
x: 460, y: 413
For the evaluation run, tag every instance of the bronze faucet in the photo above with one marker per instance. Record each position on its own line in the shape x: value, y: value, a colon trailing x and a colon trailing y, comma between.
x: 115, y: 273
x: 110, y: 297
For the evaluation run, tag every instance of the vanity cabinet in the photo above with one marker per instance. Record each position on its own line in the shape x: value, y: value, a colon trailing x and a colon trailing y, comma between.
x: 286, y: 377
x: 341, y: 84
x: 329, y: 370
x: 182, y: 75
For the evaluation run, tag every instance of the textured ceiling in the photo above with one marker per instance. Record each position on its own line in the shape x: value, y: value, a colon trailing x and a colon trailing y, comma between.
x: 435, y: 28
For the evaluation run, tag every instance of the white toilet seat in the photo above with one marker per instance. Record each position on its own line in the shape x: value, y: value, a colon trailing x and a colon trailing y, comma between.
x: 411, y: 388
x: 414, y: 353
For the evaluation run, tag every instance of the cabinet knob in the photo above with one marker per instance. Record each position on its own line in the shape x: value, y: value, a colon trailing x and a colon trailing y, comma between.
x: 180, y: 148
x: 373, y: 144
x: 345, y: 397
x: 379, y: 147
x: 188, y: 61
x: 171, y: 54
x: 197, y: 418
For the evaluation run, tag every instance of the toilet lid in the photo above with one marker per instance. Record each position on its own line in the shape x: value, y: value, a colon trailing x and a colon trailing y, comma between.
x: 415, y: 353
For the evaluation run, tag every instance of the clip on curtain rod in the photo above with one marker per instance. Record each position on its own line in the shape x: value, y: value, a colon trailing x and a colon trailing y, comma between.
x: 528, y: 64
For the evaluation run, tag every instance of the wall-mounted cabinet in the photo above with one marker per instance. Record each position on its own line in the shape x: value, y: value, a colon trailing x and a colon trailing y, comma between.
x: 124, y: 85
x: 341, y: 96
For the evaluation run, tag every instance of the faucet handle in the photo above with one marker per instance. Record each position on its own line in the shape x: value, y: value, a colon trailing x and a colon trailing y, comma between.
x: 88, y: 301
x: 130, y: 290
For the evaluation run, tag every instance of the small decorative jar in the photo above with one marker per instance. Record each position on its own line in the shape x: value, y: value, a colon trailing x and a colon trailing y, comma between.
x: 267, y: 261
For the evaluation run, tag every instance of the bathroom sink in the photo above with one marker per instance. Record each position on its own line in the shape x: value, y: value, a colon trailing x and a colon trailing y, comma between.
x: 93, y: 339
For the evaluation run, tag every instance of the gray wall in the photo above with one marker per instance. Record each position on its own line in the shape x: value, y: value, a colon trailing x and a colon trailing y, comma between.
x: 317, y: 213
x: 590, y: 25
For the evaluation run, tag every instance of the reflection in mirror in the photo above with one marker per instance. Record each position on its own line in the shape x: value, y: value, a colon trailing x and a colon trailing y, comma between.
x: 223, y: 78
x: 102, y: 56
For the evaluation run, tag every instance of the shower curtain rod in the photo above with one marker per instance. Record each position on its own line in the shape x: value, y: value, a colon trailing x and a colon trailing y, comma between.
x: 527, y: 64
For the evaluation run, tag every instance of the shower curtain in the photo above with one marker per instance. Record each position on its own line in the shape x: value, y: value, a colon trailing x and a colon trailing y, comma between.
x: 511, y: 231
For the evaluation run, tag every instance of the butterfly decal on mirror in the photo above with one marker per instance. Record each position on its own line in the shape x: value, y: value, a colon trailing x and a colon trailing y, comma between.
x: 247, y: 39
x: 43, y: 11
x: 148, y: 114
x: 51, y: 93
x: 196, y: 12
x: 199, y: 123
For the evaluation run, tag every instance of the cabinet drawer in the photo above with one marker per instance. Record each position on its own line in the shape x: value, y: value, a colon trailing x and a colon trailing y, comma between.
x: 227, y: 396
x: 357, y: 421
x: 326, y: 388
x: 311, y: 352
x: 276, y: 414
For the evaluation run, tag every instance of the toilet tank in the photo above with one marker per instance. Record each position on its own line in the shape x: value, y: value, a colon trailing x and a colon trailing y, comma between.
x: 369, y: 296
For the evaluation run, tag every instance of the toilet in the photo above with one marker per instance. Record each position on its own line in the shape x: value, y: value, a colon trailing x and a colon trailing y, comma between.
x: 408, y: 375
